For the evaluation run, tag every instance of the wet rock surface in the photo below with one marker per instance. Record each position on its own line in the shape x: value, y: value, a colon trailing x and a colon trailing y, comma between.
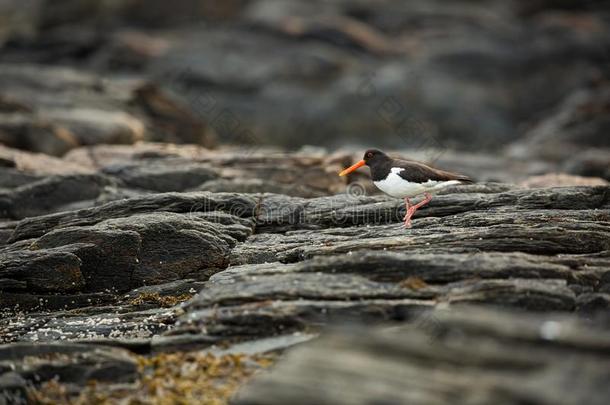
x: 161, y: 272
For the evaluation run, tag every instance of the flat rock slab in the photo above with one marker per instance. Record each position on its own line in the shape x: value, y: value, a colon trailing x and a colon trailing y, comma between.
x: 187, y: 203
x: 279, y: 213
x: 446, y: 357
x: 523, y: 249
x: 53, y: 194
x: 278, y: 264
x: 246, y: 169
x: 262, y: 299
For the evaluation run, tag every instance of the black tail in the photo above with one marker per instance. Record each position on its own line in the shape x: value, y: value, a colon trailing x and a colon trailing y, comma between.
x: 464, y: 179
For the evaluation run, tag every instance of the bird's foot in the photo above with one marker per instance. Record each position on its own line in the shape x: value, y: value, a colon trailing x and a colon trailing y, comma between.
x: 407, y: 218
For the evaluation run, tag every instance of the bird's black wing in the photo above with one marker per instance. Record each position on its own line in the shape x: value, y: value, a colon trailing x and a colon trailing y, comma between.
x: 416, y: 172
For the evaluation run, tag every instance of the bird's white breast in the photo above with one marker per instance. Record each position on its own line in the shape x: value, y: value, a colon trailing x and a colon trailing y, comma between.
x: 396, y: 186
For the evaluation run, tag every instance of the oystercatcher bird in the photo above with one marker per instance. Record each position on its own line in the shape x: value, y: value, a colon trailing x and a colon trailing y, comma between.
x: 406, y: 179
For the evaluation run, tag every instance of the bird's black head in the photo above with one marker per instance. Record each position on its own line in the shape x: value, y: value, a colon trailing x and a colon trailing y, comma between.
x: 374, y: 156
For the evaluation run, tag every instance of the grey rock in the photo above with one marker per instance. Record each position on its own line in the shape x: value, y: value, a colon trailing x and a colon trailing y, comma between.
x: 259, y: 186
x: 591, y: 162
x: 500, y: 251
x: 123, y: 253
x: 238, y: 205
x: 172, y: 288
x: 243, y: 169
x: 13, y: 388
x: 62, y: 108
x: 439, y: 357
x: 27, y: 302
x: 49, y: 270
x: 52, y: 194
x: 577, y: 123
x: 12, y: 178
x: 267, y: 298
x: 108, y: 258
x: 175, y: 246
x: 592, y: 303
x: 279, y: 213
x: 162, y: 176
x: 69, y: 363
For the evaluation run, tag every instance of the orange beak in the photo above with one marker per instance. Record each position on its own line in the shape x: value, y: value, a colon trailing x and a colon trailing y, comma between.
x: 352, y: 168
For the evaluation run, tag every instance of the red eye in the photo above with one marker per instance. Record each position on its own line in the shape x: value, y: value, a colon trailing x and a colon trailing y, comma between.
x: 369, y: 154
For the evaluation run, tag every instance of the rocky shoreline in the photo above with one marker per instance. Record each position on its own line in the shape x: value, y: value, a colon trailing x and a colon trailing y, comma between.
x: 173, y: 229
x: 130, y: 274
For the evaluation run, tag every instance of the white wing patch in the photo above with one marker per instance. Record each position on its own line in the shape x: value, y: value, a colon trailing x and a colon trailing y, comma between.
x: 396, y: 186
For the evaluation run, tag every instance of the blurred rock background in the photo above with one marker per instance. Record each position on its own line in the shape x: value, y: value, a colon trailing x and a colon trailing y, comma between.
x: 523, y: 80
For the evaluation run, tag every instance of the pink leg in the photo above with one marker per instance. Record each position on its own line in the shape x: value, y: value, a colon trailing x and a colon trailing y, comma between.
x: 407, y: 217
x: 407, y: 207
x: 411, y: 210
